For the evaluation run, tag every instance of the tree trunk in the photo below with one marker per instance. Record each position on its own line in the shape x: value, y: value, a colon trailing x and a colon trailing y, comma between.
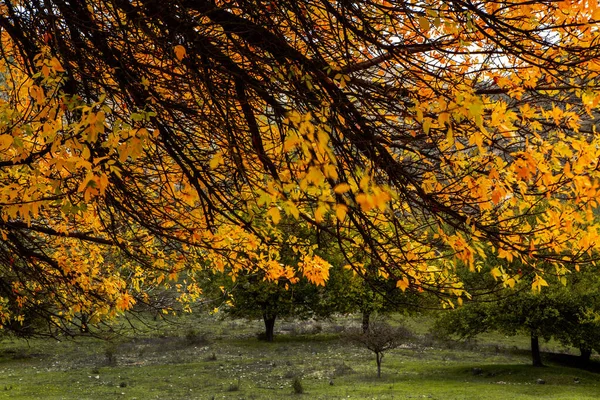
x: 83, y: 328
x: 379, y: 356
x: 366, y: 316
x: 269, y: 327
x: 585, y: 355
x: 535, y: 351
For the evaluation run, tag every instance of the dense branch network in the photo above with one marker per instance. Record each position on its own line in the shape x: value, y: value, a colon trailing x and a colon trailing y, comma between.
x: 168, y: 136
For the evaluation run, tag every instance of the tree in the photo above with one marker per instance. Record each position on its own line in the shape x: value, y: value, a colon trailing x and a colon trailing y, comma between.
x: 254, y: 297
x: 379, y: 338
x: 527, y: 312
x: 580, y: 300
x: 169, y: 133
x: 281, y: 291
x: 348, y: 292
x: 567, y: 313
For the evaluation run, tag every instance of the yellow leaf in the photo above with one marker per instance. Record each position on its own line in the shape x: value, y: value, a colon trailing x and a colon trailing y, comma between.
x: 5, y: 142
x: 216, y: 161
x: 103, y: 183
x: 497, y: 195
x: 330, y: 171
x: 507, y: 255
x: 323, y: 138
x: 37, y: 93
x: 496, y: 273
x: 444, y: 118
x: 450, y: 136
x: 315, y: 269
x: 291, y: 142
x: 364, y: 183
x: 314, y: 175
x: 424, y: 23
x: 85, y: 153
x: 563, y: 280
x: 274, y: 214
x: 403, y: 284
x: 320, y: 213
x: 567, y: 170
x: 340, y: 211
x: 426, y: 125
x: 494, y: 174
x: 341, y: 188
x: 537, y: 283
x: 419, y: 116
x: 366, y: 201
x: 125, y: 302
x: 291, y: 208
x: 89, y: 180
x: 54, y: 63
x: 179, y: 52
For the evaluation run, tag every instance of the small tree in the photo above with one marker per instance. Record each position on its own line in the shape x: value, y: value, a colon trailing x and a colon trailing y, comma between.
x: 379, y: 338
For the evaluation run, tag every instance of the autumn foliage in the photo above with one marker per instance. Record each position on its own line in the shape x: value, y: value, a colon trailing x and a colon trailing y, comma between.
x: 143, y: 140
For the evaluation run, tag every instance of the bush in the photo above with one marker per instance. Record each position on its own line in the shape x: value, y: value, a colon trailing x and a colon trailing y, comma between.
x: 342, y: 370
x: 193, y: 337
x: 297, y: 386
x: 290, y: 374
x: 110, y: 352
x: 233, y: 387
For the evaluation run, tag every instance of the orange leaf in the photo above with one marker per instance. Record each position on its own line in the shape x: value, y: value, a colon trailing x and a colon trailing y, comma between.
x: 179, y: 52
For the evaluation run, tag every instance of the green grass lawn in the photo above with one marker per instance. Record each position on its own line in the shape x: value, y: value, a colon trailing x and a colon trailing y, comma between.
x: 203, y: 357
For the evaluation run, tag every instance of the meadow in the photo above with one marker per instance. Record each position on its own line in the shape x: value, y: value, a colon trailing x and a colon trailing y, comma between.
x: 206, y: 357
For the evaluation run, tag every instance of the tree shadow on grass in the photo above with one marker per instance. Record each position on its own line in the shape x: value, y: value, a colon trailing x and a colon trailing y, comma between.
x: 573, y: 361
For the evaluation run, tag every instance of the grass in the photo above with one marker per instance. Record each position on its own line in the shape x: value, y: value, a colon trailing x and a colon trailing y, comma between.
x: 203, y: 357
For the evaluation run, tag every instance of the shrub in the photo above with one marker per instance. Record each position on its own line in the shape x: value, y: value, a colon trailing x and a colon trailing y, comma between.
x: 342, y: 370
x: 297, y: 386
x: 290, y: 374
x: 233, y: 387
x: 110, y: 352
x: 193, y: 337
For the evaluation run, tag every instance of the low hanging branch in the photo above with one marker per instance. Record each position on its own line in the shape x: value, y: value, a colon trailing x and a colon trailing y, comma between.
x: 145, y: 139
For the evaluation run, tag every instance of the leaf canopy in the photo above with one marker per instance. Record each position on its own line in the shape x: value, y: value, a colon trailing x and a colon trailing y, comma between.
x: 143, y: 138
